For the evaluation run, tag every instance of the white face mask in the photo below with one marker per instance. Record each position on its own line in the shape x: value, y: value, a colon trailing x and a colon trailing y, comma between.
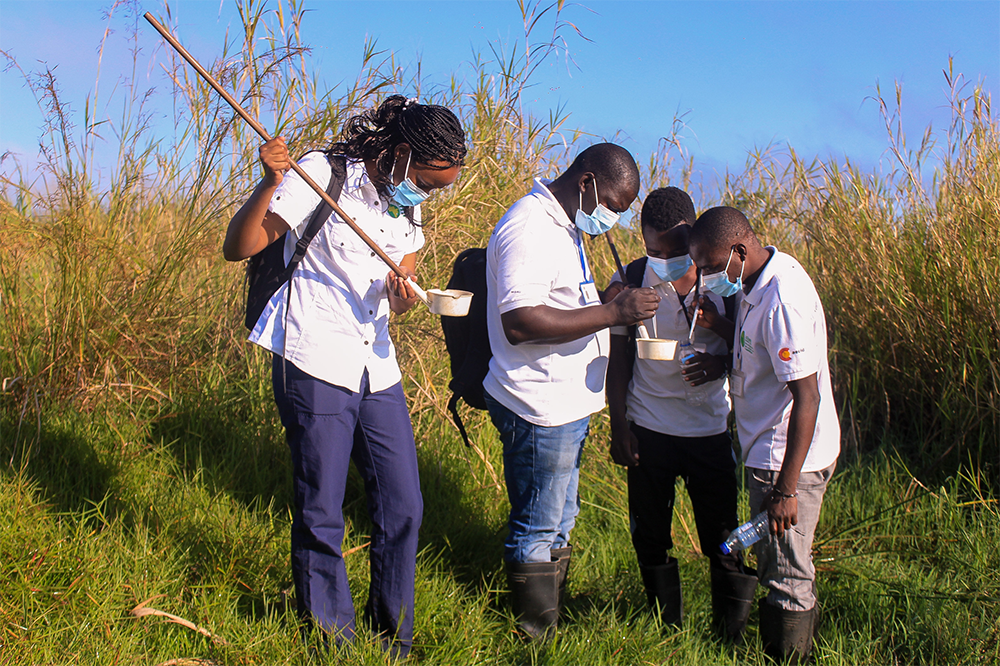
x: 719, y: 282
x: 406, y: 193
x: 596, y: 223
x: 672, y: 269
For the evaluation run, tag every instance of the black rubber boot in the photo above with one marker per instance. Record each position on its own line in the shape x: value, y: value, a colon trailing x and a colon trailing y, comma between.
x: 786, y: 635
x: 562, y: 557
x: 534, y: 589
x: 663, y: 590
x: 732, y: 599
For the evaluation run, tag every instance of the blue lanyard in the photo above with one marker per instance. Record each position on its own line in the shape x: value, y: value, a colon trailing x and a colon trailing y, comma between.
x: 583, y: 260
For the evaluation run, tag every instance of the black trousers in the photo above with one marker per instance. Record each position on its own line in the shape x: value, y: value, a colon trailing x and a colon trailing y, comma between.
x: 709, y: 471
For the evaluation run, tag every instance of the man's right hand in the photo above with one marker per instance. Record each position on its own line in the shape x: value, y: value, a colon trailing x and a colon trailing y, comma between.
x: 624, y: 447
x: 274, y: 156
x: 635, y: 304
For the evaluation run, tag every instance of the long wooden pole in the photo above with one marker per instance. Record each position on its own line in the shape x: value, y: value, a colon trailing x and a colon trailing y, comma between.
x: 614, y: 253
x: 257, y: 127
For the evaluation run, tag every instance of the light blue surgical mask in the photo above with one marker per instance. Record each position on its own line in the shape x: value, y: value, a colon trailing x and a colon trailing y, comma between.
x: 672, y: 269
x: 596, y: 223
x: 719, y: 282
x: 406, y: 193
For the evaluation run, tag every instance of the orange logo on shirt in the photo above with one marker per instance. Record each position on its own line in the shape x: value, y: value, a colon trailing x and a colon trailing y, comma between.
x: 785, y: 354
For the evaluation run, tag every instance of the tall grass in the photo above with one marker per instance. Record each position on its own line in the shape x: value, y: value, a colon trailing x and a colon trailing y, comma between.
x: 143, y: 463
x: 907, y: 275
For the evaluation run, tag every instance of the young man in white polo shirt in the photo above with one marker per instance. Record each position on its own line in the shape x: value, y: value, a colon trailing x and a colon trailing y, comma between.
x: 785, y: 414
x: 548, y: 333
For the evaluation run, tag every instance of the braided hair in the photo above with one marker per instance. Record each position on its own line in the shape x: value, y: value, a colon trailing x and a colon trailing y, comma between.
x: 433, y: 133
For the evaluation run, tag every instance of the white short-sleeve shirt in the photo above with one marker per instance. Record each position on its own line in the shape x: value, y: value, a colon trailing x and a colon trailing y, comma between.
x: 535, y: 257
x: 656, y: 395
x: 780, y: 337
x: 338, y: 315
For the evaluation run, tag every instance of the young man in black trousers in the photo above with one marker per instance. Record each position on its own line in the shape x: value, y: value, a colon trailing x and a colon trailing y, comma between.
x: 669, y: 420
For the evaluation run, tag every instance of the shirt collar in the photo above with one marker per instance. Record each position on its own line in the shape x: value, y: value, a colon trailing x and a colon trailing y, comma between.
x: 357, y: 176
x: 360, y: 185
x: 766, y: 275
x: 541, y: 191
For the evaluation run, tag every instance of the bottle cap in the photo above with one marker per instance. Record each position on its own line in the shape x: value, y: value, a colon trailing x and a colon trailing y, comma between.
x: 725, y: 549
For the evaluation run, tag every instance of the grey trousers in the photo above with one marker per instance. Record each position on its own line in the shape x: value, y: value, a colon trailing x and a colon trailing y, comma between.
x: 785, y: 566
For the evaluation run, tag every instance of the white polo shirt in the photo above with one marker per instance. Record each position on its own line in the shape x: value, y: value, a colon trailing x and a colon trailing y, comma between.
x: 656, y: 395
x: 536, y: 257
x: 338, y: 317
x: 780, y: 337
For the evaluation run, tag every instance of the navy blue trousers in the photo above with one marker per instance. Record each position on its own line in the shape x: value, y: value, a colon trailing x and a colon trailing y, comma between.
x: 326, y: 427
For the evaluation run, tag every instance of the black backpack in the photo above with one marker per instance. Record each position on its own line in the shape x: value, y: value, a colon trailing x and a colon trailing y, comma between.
x: 266, y: 270
x: 467, y: 338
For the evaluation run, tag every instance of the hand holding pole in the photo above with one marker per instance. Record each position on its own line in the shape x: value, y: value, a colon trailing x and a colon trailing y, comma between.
x: 257, y: 127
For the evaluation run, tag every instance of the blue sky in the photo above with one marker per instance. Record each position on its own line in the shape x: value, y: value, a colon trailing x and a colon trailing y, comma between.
x: 743, y: 74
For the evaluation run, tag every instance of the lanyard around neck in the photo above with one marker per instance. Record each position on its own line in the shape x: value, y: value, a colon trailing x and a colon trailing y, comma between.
x: 739, y: 333
x: 583, y: 260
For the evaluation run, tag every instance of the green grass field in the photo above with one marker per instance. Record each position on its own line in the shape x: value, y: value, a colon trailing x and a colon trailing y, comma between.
x: 143, y: 470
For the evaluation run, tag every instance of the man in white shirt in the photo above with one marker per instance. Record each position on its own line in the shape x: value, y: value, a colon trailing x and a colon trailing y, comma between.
x: 548, y: 334
x: 669, y: 420
x: 785, y: 415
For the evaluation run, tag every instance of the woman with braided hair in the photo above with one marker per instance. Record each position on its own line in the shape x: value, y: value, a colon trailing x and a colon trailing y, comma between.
x: 334, y: 373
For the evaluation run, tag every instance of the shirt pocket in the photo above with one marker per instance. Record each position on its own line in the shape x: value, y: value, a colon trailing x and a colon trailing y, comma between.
x: 400, y: 237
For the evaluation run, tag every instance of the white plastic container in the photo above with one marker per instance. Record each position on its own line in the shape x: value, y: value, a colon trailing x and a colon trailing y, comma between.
x: 656, y: 349
x: 449, y: 302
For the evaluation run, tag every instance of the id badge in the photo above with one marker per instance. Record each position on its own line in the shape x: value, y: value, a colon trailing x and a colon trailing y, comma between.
x: 589, y: 292
x: 736, y: 381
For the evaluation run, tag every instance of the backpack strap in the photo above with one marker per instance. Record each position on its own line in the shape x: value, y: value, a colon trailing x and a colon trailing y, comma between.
x: 635, y: 270
x: 453, y: 408
x: 634, y: 273
x: 338, y: 174
x: 729, y: 306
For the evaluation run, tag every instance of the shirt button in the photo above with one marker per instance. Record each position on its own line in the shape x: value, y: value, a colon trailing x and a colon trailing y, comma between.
x: 371, y: 281
x: 366, y: 342
x: 371, y: 312
x: 373, y: 254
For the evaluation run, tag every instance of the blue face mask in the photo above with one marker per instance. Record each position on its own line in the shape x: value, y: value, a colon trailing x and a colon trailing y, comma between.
x: 719, y: 282
x: 596, y: 223
x: 672, y: 269
x: 406, y: 193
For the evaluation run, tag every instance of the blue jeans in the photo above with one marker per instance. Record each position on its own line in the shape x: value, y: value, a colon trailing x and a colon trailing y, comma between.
x: 541, y: 467
x: 326, y: 427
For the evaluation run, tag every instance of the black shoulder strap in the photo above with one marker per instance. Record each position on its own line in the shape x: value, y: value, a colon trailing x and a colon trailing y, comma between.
x: 338, y: 174
x: 729, y: 305
x: 635, y: 270
x: 633, y: 276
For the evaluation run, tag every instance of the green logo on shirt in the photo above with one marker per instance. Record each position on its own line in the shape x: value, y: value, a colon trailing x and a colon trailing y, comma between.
x: 746, y: 342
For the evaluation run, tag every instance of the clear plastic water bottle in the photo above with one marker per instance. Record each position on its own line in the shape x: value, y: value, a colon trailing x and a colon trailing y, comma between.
x: 747, y: 534
x: 695, y: 395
